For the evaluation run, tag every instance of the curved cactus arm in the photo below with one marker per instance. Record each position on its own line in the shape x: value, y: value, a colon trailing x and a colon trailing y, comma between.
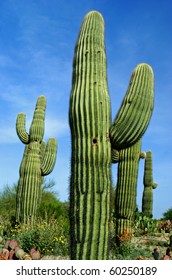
x: 49, y: 157
x: 136, y: 109
x: 21, y: 128
x: 42, y: 149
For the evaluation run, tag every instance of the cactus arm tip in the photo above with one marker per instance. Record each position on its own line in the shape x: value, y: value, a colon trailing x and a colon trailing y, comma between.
x: 49, y: 158
x: 136, y: 109
x: 21, y: 128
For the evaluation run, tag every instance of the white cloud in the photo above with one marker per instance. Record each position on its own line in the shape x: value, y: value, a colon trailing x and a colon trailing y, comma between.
x: 55, y: 127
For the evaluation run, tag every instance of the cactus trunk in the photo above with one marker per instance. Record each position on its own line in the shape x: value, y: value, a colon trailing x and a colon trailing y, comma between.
x: 126, y: 190
x: 89, y: 117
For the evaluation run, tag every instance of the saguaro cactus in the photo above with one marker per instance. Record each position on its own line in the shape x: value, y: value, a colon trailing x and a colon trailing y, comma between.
x: 149, y: 185
x: 130, y: 124
x: 94, y: 139
x: 89, y: 118
x: 38, y: 160
x: 126, y: 189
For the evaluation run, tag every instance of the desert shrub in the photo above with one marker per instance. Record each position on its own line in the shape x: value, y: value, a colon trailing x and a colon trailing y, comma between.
x: 8, y: 201
x: 48, y: 236
x: 127, y: 250
x: 165, y: 226
x: 168, y: 215
x: 50, y: 205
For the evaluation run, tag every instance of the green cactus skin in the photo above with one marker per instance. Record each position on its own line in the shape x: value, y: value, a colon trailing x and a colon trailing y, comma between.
x: 149, y: 185
x: 89, y: 117
x: 136, y: 109
x: 38, y: 161
x: 95, y: 142
x: 126, y: 131
x: 126, y: 189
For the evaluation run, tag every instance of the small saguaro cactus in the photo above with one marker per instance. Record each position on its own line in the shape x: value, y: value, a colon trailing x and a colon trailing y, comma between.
x: 38, y: 161
x: 149, y: 185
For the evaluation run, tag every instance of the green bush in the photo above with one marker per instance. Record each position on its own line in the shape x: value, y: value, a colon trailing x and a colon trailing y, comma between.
x: 168, y: 215
x: 50, y: 236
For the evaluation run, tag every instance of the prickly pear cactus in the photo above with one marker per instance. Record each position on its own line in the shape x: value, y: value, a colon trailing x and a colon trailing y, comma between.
x: 38, y: 161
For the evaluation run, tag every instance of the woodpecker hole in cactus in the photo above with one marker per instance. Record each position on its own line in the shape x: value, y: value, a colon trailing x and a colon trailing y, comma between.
x: 94, y: 142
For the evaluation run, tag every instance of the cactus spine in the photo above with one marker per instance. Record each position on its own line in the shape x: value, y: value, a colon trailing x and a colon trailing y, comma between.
x: 89, y: 118
x: 147, y: 199
x: 37, y: 161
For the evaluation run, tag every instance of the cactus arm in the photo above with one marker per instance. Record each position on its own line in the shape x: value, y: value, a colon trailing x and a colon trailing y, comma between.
x: 43, y: 149
x: 49, y: 157
x: 136, y: 109
x: 21, y: 128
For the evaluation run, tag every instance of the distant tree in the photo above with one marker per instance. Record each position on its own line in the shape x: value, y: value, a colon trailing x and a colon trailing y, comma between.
x: 168, y: 214
x: 8, y: 200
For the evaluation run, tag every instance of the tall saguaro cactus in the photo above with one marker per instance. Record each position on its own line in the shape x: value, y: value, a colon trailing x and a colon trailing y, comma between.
x: 94, y: 138
x: 149, y: 185
x: 38, y: 161
x: 91, y: 152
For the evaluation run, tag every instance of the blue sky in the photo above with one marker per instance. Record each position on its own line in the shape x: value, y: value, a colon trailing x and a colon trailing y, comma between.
x: 36, y: 53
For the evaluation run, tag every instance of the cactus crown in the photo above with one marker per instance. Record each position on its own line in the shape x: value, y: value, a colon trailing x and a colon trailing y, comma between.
x: 36, y: 132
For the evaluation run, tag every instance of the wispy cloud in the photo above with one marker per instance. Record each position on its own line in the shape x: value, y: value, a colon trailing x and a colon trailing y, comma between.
x: 8, y: 134
x: 56, y: 128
